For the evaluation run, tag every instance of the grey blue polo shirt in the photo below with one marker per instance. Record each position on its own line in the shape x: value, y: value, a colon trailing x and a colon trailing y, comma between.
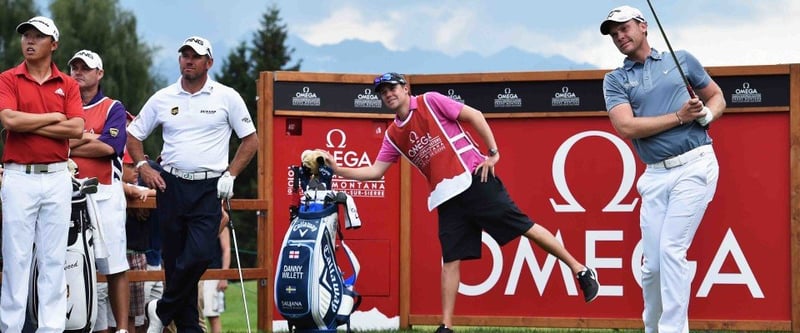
x: 656, y: 88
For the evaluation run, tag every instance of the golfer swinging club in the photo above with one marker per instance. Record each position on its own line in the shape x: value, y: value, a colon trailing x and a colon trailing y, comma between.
x: 648, y: 103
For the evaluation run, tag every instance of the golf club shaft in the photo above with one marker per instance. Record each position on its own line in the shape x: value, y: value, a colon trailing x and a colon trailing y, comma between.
x: 671, y: 52
x: 238, y: 262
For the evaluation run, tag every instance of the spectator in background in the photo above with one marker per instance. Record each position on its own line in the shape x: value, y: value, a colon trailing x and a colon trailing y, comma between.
x: 153, y: 289
x: 212, y: 290
x: 137, y: 229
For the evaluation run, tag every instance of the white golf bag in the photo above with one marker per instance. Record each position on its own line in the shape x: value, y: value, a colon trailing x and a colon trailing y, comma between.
x: 84, y: 243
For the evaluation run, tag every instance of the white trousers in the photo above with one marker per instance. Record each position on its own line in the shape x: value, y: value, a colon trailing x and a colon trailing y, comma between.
x: 36, y: 209
x: 673, y: 203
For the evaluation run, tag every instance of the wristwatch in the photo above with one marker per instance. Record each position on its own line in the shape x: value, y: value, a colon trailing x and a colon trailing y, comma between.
x: 140, y: 164
x: 492, y: 151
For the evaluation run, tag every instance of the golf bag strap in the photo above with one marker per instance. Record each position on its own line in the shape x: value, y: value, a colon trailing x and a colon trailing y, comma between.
x: 350, y: 281
x: 355, y: 266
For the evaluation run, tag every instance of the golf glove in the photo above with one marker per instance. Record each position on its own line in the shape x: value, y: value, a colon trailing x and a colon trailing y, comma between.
x: 225, y: 186
x: 707, y: 118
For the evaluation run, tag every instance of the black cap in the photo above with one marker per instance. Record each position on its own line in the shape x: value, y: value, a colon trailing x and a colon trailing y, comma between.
x: 388, y: 78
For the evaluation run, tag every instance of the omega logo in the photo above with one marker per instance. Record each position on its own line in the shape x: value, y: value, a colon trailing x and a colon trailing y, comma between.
x: 628, y: 175
x: 329, y: 139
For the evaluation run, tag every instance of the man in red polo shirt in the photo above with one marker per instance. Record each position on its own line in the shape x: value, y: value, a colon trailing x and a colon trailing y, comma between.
x: 40, y: 109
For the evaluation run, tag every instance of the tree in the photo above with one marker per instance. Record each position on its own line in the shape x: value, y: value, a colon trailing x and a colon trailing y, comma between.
x: 14, y: 12
x: 240, y: 70
x: 269, y: 51
x: 102, y: 26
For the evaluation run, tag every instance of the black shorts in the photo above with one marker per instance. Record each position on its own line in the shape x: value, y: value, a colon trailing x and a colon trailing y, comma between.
x: 482, y: 207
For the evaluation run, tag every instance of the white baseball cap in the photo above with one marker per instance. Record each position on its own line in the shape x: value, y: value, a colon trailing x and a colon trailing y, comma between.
x: 199, y: 44
x: 41, y: 23
x: 91, y: 59
x: 621, y: 14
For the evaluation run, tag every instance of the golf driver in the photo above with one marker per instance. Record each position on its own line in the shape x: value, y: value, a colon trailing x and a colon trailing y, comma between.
x: 671, y: 52
x: 238, y: 262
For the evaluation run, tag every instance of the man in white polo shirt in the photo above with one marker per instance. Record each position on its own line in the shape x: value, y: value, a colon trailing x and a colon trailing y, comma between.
x: 197, y: 116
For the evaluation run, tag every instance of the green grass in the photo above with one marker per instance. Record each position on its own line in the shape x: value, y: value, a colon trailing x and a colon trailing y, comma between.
x: 233, y: 319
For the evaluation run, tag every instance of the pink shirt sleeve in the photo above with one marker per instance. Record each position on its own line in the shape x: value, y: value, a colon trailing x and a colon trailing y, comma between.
x: 445, y: 107
x: 448, y: 110
x: 388, y: 152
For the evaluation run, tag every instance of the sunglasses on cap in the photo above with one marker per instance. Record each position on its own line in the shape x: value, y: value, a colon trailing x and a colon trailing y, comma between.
x: 388, y: 78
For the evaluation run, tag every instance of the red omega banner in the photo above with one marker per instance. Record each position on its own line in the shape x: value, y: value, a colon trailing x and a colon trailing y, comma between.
x: 577, y: 178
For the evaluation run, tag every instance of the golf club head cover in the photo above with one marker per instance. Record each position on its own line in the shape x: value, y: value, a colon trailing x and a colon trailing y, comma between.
x: 312, y: 160
x: 325, y: 176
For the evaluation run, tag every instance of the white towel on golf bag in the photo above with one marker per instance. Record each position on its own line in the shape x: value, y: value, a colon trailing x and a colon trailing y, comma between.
x: 352, y: 220
x: 100, y: 250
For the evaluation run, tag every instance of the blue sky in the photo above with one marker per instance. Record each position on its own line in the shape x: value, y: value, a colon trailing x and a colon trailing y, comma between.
x: 719, y: 33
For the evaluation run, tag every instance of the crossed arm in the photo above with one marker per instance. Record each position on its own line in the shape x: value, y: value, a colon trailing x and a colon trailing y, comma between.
x: 52, y: 124
x: 89, y: 146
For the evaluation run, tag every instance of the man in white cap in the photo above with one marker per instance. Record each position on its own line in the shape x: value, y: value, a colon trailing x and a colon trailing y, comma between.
x: 649, y: 103
x: 99, y: 154
x: 197, y: 116
x: 40, y: 109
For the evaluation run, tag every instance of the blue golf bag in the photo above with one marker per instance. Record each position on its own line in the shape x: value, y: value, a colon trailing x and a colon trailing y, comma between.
x: 311, y: 292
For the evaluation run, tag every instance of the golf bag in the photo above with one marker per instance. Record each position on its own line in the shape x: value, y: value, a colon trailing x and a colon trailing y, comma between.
x: 79, y: 265
x: 311, y: 291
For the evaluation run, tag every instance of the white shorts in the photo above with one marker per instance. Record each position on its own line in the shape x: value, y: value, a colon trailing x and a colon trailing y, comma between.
x: 111, y: 203
x: 209, y: 298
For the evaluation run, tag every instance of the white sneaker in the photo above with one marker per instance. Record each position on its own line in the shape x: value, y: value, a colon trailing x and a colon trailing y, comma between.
x: 154, y: 323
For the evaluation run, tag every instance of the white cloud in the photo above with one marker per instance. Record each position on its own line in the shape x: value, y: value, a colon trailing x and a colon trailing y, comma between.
x: 718, y: 38
x: 768, y: 36
x: 764, y: 37
x: 348, y: 23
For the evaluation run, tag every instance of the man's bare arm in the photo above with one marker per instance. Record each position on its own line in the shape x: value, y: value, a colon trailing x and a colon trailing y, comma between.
x: 68, y: 129
x: 247, y: 149
x: 25, y: 122
x: 89, y: 146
